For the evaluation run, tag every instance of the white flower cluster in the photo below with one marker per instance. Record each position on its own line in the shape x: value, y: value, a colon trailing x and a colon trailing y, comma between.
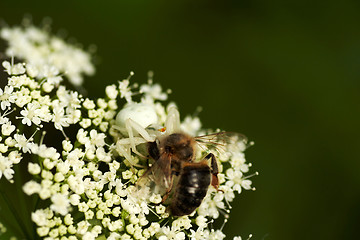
x: 47, y: 55
x: 90, y: 181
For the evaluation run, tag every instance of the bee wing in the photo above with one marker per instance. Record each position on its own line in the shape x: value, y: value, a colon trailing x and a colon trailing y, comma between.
x: 220, y: 139
x: 158, y: 176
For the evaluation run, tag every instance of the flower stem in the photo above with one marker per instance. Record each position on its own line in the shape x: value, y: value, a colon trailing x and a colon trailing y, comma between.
x: 15, y: 214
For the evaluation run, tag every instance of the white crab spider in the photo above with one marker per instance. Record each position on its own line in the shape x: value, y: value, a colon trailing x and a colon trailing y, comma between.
x: 139, y: 122
x: 132, y: 122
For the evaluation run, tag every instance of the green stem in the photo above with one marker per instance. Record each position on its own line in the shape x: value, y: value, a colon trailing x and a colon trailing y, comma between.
x: 15, y: 214
x: 24, y: 205
x: 7, y: 222
x: 35, y: 206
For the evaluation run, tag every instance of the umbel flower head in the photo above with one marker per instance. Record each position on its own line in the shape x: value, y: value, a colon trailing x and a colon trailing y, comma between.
x: 100, y: 182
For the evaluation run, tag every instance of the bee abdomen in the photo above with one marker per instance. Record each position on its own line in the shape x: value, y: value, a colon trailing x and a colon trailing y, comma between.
x: 191, y: 189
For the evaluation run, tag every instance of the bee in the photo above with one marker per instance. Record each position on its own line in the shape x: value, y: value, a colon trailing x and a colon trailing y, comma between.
x: 174, y: 156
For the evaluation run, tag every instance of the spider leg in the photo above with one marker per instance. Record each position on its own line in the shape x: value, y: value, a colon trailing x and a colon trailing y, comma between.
x: 130, y: 125
x: 172, y: 123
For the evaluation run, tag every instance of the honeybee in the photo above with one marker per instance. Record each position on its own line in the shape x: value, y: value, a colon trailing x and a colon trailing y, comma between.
x: 174, y: 156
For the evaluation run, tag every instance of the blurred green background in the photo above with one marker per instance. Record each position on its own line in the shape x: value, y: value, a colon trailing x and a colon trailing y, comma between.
x: 285, y: 73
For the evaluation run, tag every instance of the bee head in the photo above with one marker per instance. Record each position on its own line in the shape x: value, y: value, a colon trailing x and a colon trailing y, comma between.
x: 180, y: 146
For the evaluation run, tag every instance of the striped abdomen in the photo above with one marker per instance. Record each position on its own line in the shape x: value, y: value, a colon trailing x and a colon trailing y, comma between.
x: 191, y: 188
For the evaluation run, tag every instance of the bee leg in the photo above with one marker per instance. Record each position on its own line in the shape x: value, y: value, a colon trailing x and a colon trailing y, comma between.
x: 153, y: 150
x: 214, y: 172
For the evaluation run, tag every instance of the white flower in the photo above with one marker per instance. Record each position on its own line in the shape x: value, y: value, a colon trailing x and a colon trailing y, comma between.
x: 112, y: 92
x: 68, y: 98
x: 46, y: 53
x: 60, y: 203
x: 18, y: 81
x: 102, y: 155
x: 22, y: 143
x: 3, y: 119
x: 7, y: 128
x: 31, y: 187
x: 82, y: 137
x: 246, y: 184
x: 32, y: 70
x: 12, y: 69
x: 40, y: 217
x: 130, y: 206
x: 68, y: 219
x: 125, y: 91
x: 98, y: 139
x: 171, y: 233
x: 75, y: 199
x: 114, y: 236
x: 216, y: 235
x: 43, y: 231
x: 51, y: 74
x: 15, y: 157
x: 191, y: 125
x: 182, y: 222
x: 198, y: 234
x: 73, y: 115
x: 82, y: 227
x: 22, y: 97
x: 89, y: 104
x: 5, y: 168
x: 201, y: 221
x: 59, y: 118
x: 31, y: 114
x: 6, y: 97
x: 34, y: 168
x: 153, y: 91
x: 76, y: 184
x: 235, y: 180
